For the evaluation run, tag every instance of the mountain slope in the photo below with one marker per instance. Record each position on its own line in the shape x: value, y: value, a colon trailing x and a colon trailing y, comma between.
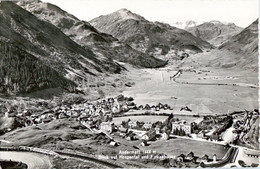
x: 21, y: 72
x: 49, y: 44
x: 245, y: 46
x: 103, y: 45
x: 149, y: 37
x: 215, y: 32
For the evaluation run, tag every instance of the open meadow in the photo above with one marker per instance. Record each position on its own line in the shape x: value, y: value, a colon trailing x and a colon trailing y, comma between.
x: 204, y: 89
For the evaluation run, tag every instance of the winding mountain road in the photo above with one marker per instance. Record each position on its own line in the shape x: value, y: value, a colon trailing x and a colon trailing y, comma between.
x: 230, y: 157
x: 33, y: 160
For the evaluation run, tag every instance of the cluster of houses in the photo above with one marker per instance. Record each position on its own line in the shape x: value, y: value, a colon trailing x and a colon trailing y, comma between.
x: 98, y: 116
x: 132, y: 134
x: 157, y: 107
x: 190, y: 157
x: 181, y: 128
x: 139, y: 125
x: 211, y: 127
x: 189, y: 160
x: 147, y: 131
x: 93, y: 113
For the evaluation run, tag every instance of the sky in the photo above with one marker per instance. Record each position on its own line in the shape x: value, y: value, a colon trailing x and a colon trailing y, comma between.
x: 240, y: 12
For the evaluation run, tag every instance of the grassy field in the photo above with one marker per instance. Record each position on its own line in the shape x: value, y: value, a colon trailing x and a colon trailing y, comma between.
x: 61, y: 135
x: 68, y: 163
x: 177, y: 146
x: 152, y: 119
x: 189, y: 119
x: 37, y: 136
x: 154, y: 85
x: 6, y: 122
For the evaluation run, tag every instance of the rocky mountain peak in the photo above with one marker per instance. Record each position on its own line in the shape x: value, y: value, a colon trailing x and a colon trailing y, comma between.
x: 215, y: 32
x: 127, y: 14
x: 215, y: 22
x: 153, y: 38
x: 245, y: 45
x: 123, y: 10
x: 124, y: 14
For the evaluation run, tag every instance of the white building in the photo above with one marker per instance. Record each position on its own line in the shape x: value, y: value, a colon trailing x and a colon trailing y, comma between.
x: 147, y: 125
x: 106, y: 127
x: 145, y: 137
x: 214, y: 158
x: 132, y: 124
x: 180, y: 125
x: 165, y: 136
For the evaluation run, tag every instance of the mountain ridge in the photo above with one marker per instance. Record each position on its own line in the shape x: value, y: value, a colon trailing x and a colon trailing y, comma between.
x: 43, y: 39
x: 46, y: 46
x: 245, y: 46
x: 148, y: 37
x: 83, y: 33
x: 215, y: 32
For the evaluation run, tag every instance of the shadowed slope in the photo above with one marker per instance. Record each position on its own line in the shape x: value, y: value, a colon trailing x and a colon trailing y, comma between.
x: 103, y: 45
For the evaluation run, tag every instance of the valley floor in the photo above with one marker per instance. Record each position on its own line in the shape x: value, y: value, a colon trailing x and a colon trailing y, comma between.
x: 205, y: 89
